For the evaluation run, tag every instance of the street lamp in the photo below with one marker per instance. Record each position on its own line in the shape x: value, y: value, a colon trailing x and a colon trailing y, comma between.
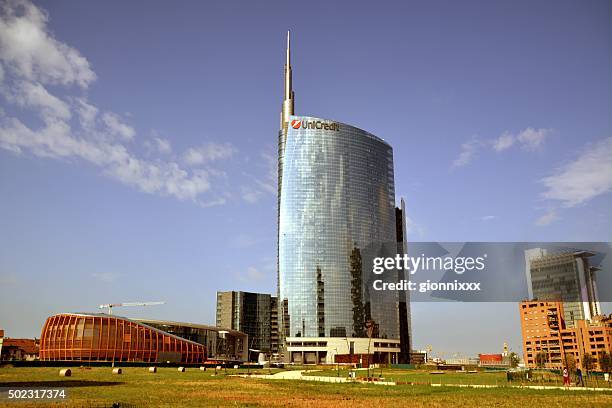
x: 370, y: 332
x: 337, y: 363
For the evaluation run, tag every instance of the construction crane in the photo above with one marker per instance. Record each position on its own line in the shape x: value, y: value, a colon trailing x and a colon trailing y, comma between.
x: 110, y: 306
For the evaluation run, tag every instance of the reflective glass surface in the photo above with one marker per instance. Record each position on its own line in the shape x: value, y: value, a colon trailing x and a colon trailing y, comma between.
x: 336, y: 200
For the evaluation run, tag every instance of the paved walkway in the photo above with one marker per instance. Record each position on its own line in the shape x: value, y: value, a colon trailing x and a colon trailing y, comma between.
x: 298, y: 375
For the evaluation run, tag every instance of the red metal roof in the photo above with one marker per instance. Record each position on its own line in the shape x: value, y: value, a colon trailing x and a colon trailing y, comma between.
x: 490, y: 357
x: 29, y: 346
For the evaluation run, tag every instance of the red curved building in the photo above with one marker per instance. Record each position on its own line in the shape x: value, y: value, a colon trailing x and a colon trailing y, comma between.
x: 101, y: 337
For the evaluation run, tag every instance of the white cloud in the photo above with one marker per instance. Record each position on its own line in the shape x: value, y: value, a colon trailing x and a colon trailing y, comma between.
x: 33, y: 95
x: 159, y: 178
x: 212, y: 203
x: 584, y: 178
x: 51, y: 141
x: 251, y: 195
x: 57, y: 141
x: 467, y: 154
x: 33, y: 58
x: 208, y: 153
x: 158, y: 144
x: 547, y: 218
x: 115, y: 126
x: 532, y: 139
x: 252, y: 274
x: 269, y: 184
x: 29, y: 51
x: 163, y: 145
x: 262, y: 186
x: 503, y: 142
x: 488, y: 217
x: 87, y: 113
x: 413, y: 229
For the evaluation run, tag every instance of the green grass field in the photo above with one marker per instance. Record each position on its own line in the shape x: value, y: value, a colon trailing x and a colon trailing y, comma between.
x: 420, y: 377
x: 97, y: 387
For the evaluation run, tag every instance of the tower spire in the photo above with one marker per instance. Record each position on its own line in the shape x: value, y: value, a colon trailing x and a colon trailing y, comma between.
x: 288, y: 101
x: 288, y: 63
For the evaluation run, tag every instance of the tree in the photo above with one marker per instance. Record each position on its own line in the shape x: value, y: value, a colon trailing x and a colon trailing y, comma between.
x: 587, y: 362
x: 357, y: 293
x: 540, y: 359
x: 605, y: 362
x: 514, y: 360
x: 570, y: 362
x: 320, y: 303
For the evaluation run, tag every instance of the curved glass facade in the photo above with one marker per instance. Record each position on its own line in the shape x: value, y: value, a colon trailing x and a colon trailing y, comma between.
x: 100, y: 337
x: 336, y: 203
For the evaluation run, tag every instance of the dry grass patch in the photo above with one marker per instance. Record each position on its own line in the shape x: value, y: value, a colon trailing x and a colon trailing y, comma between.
x: 168, y: 388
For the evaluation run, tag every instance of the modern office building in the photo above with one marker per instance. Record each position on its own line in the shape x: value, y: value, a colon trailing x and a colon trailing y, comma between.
x: 254, y: 314
x: 564, y: 276
x: 102, y: 337
x: 222, y: 344
x: 274, y: 325
x: 404, y: 301
x: 336, y: 210
x: 545, y: 333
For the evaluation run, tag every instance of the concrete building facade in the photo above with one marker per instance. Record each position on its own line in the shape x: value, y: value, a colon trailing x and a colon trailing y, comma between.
x: 350, y: 350
x: 19, y: 349
x: 545, y: 334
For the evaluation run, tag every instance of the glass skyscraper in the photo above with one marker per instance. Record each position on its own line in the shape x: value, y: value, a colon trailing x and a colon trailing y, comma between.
x: 254, y: 314
x: 565, y: 276
x: 336, y: 209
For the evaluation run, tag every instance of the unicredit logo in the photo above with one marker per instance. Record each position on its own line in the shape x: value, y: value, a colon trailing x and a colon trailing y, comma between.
x: 315, y: 124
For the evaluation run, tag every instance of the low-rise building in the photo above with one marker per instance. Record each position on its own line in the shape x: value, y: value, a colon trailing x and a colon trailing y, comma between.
x: 221, y: 344
x: 19, y: 349
x: 85, y: 337
x: 461, y: 361
x: 343, y: 350
x: 493, y: 360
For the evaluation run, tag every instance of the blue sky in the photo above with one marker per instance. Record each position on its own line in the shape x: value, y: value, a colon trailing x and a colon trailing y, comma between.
x: 137, y: 141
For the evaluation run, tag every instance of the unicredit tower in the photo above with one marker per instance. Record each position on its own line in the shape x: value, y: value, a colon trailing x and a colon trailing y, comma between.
x: 336, y: 209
